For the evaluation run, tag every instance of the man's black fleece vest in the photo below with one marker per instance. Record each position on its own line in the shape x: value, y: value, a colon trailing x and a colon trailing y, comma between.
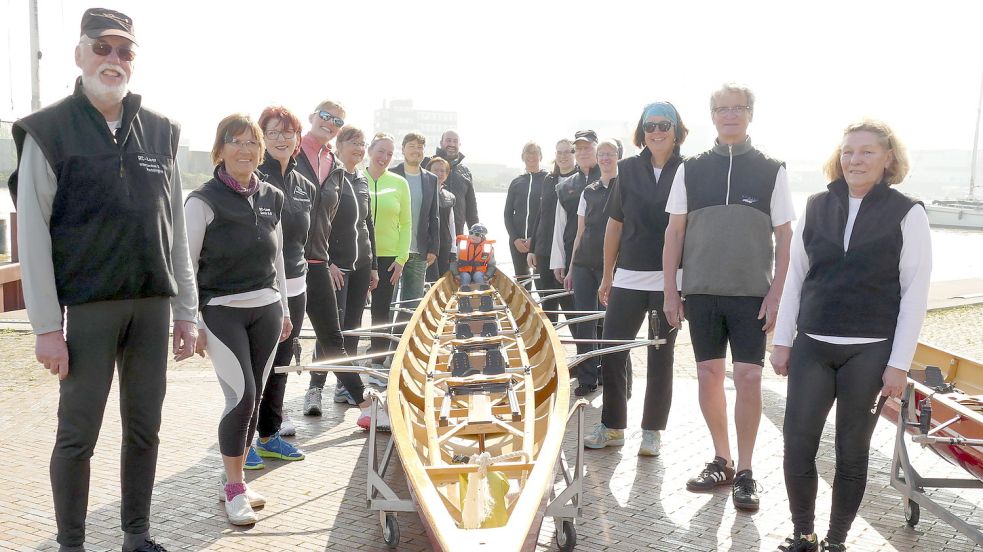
x: 856, y: 293
x: 111, y: 217
x: 239, y: 248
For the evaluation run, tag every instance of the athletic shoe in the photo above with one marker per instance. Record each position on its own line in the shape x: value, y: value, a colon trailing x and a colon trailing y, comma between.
x: 745, y: 491
x: 312, y: 402
x: 149, y: 545
x: 382, y: 422
x: 381, y: 383
x: 276, y: 447
x: 832, y: 546
x: 239, y: 511
x: 253, y: 461
x: 341, y: 396
x: 584, y: 389
x: 603, y: 437
x: 715, y: 474
x: 651, y: 442
x: 799, y: 543
x: 255, y: 499
x: 288, y: 427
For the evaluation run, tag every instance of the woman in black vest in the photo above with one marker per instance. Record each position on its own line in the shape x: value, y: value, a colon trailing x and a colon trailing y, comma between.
x: 587, y: 263
x: 281, y: 130
x: 236, y: 246
x: 445, y: 213
x: 633, y: 284
x: 851, y: 311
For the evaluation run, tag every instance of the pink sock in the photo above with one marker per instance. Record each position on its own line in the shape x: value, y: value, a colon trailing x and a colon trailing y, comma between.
x: 233, y: 490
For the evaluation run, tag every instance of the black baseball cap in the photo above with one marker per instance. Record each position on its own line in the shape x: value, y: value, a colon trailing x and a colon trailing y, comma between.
x: 98, y: 22
x: 588, y: 135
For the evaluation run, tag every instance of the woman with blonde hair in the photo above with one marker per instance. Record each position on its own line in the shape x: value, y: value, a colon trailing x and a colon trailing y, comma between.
x: 862, y: 247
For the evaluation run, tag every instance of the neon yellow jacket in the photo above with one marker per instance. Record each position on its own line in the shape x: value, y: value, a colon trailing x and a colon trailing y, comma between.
x: 392, y: 215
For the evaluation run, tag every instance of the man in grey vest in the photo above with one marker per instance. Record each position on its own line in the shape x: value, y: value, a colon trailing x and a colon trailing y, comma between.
x: 105, y: 261
x: 725, y: 207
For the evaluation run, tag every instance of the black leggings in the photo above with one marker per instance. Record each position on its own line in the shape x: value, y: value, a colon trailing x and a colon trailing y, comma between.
x: 351, y: 305
x: 130, y: 336
x: 241, y: 343
x: 633, y: 307
x: 271, y: 405
x: 382, y: 298
x: 547, y: 280
x: 322, y: 310
x: 818, y: 374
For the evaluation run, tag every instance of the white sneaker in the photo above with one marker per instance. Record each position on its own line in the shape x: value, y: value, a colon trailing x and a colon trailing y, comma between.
x: 651, y: 442
x: 255, y: 499
x: 287, y: 427
x: 382, y: 422
x: 239, y: 511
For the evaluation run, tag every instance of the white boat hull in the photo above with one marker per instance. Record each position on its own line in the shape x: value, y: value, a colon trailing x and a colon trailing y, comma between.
x: 943, y: 216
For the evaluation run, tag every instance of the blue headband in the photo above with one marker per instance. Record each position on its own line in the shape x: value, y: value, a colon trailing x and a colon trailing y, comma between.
x: 663, y: 109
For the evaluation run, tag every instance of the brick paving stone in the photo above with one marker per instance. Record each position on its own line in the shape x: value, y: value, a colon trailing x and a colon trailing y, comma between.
x: 318, y: 504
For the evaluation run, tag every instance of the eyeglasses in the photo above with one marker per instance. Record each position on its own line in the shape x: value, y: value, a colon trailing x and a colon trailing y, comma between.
x: 329, y: 118
x: 650, y: 126
x: 607, y: 155
x: 736, y: 110
x: 280, y: 134
x: 105, y: 49
x: 358, y: 144
x: 251, y: 145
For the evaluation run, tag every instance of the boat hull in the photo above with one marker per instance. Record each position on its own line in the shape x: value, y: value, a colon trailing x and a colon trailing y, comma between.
x: 943, y: 216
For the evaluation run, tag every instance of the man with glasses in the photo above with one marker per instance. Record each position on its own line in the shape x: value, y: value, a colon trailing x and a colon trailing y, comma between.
x: 104, y: 255
x: 459, y: 182
x: 724, y: 207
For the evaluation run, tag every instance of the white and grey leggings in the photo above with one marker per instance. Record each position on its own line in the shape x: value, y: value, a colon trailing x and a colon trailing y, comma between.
x: 241, y: 343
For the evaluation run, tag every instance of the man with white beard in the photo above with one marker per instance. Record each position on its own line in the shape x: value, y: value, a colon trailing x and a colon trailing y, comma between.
x: 104, y: 256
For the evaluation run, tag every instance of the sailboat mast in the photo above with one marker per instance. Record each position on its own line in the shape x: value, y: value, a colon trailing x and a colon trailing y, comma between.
x: 976, y: 141
x: 35, y: 58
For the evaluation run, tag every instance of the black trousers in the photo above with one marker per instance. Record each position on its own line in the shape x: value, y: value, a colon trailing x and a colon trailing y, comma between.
x: 241, y: 343
x: 633, y: 307
x: 382, y: 298
x: 519, y: 262
x: 585, y: 283
x: 820, y: 373
x: 322, y: 310
x: 547, y: 280
x: 271, y: 405
x: 132, y: 336
x: 440, y: 266
x: 353, y: 292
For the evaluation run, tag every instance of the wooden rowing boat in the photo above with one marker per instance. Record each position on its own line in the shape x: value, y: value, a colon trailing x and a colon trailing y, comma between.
x: 956, y: 414
x: 466, y: 381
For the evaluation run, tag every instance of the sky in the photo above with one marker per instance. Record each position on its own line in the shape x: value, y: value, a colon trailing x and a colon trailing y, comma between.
x: 521, y: 70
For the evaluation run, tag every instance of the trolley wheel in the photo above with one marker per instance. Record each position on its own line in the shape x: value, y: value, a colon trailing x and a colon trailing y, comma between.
x: 911, y: 512
x: 390, y: 529
x: 566, y: 535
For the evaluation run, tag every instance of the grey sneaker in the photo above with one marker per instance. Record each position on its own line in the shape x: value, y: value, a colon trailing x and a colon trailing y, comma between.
x: 342, y: 395
x: 651, y: 442
x: 603, y: 437
x: 312, y: 402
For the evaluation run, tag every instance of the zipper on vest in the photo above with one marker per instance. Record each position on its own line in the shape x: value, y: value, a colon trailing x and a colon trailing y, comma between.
x: 525, y: 229
x: 730, y: 151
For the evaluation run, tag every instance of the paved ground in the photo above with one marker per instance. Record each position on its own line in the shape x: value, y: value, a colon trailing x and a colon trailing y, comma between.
x: 318, y: 504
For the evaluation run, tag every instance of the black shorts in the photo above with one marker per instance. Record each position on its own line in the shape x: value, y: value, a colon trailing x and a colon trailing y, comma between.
x: 715, y: 320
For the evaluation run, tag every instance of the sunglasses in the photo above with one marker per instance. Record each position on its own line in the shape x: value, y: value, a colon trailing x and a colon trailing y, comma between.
x: 105, y: 49
x: 664, y: 126
x: 329, y: 118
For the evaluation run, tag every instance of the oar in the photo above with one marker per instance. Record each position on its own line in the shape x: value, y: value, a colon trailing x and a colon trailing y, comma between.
x: 334, y: 365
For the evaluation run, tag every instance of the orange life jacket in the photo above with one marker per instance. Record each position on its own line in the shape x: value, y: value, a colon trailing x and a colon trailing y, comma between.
x: 473, y: 257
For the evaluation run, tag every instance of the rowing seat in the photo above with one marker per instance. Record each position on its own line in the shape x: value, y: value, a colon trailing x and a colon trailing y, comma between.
x: 462, y: 330
x: 465, y: 288
x: 489, y: 329
x: 487, y: 304
x: 464, y: 305
x: 494, y: 362
x: 461, y: 365
x: 484, y: 287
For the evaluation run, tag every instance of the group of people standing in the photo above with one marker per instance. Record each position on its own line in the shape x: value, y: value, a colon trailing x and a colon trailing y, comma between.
x: 709, y: 239
x: 289, y: 225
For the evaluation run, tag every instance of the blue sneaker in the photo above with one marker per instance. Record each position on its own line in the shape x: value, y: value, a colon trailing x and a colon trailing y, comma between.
x: 253, y: 461
x: 278, y: 448
x: 341, y: 395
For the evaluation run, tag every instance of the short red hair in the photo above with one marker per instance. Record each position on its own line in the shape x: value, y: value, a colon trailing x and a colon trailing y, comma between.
x: 286, y: 117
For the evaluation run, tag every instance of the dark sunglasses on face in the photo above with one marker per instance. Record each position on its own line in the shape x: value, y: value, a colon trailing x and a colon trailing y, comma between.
x: 329, y: 118
x: 650, y: 126
x: 105, y: 49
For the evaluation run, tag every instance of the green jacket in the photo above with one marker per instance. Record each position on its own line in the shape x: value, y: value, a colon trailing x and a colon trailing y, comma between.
x: 392, y: 213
